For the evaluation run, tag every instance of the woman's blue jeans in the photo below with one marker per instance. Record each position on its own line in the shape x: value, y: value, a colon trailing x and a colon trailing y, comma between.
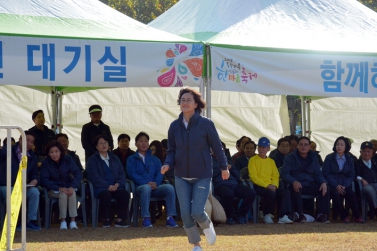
x: 192, y: 196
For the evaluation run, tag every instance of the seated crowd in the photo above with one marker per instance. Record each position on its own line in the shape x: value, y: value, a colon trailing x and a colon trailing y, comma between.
x: 282, y: 181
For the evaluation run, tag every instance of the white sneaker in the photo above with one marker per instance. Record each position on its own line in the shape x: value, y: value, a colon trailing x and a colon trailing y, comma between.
x: 63, y: 225
x: 73, y: 225
x: 267, y: 219
x: 197, y: 248
x: 285, y: 220
x: 210, y: 234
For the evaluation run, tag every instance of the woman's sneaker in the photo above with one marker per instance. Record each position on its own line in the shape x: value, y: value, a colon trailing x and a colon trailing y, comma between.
x: 63, y: 225
x: 267, y: 219
x: 73, y: 225
x: 170, y: 222
x: 285, y: 220
x: 210, y: 234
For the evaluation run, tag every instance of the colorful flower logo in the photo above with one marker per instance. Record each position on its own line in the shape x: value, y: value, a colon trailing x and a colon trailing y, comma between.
x: 181, y: 71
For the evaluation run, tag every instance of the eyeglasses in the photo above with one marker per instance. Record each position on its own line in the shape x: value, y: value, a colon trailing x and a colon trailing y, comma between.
x: 103, y: 143
x: 187, y: 101
x: 304, y: 145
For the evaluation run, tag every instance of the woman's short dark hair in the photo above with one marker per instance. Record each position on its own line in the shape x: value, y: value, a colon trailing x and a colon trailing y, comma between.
x: 124, y: 136
x: 250, y: 142
x: 346, y: 142
x: 285, y: 139
x: 53, y: 143
x: 158, y: 152
x: 97, y: 138
x: 197, y: 98
x: 27, y: 132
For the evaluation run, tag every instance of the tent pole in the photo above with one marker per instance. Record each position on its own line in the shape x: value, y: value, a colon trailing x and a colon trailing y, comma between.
x: 202, y: 90
x: 59, y: 125
x: 303, y: 115
x: 308, y: 129
x: 208, y: 85
x: 54, y: 107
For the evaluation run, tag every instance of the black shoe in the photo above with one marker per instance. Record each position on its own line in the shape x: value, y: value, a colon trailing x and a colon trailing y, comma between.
x: 122, y: 223
x: 301, y: 218
x: 322, y: 218
x: 106, y: 224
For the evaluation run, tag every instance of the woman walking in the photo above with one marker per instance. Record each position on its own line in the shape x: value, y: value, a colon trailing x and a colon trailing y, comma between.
x: 190, y: 139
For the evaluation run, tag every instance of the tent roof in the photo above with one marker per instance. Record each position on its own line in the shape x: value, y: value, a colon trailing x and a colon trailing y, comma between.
x: 325, y: 25
x: 90, y: 19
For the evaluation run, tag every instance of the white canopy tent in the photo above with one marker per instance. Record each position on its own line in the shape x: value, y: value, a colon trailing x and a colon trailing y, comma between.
x: 302, y: 47
x: 153, y: 58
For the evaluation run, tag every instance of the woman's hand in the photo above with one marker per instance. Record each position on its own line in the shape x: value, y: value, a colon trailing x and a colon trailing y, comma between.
x: 70, y: 191
x: 164, y: 169
x: 63, y: 190
x: 225, y: 174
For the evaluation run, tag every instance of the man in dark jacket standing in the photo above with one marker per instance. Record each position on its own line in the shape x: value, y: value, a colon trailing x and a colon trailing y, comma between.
x: 94, y: 128
x: 43, y: 135
x: 302, y: 172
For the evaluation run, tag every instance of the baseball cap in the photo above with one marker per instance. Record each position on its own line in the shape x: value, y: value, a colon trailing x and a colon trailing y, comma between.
x: 366, y: 144
x: 95, y: 108
x: 264, y: 142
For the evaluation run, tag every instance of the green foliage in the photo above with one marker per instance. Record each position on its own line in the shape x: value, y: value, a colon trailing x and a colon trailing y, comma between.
x: 142, y: 10
x: 372, y: 4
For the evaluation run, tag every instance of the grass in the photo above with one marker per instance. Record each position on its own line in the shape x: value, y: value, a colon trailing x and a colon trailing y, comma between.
x: 307, y: 236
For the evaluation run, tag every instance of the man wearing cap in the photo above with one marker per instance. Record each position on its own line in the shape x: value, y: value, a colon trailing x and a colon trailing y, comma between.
x: 302, y: 172
x: 366, y: 172
x: 92, y: 129
x: 265, y: 177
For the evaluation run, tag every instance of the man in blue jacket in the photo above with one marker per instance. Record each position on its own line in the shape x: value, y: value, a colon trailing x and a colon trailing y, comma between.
x: 144, y: 170
x: 32, y: 176
x: 302, y: 172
